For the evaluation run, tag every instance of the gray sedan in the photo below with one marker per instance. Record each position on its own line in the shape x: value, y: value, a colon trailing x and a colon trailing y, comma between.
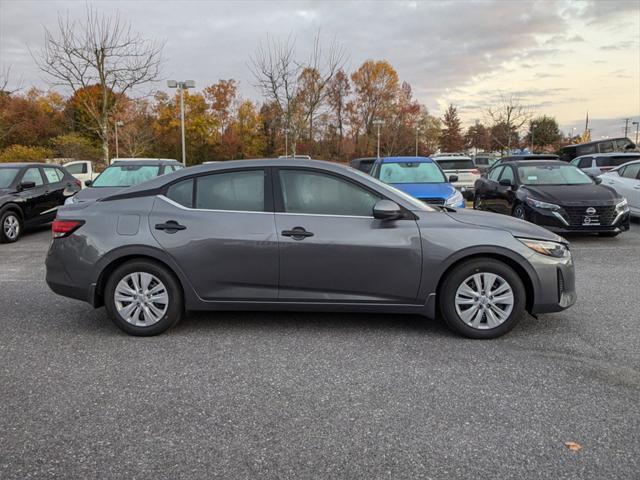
x: 301, y: 235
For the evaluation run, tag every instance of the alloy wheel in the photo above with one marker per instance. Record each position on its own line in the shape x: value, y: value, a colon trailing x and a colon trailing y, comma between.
x: 484, y: 300
x: 141, y: 299
x: 11, y: 227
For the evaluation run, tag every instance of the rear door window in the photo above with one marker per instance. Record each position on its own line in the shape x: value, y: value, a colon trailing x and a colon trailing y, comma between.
x: 631, y: 171
x: 606, y: 147
x: 585, y: 162
x: 236, y: 191
x: 53, y: 175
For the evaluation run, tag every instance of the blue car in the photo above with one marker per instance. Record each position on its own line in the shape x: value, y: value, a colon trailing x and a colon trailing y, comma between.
x: 421, y: 178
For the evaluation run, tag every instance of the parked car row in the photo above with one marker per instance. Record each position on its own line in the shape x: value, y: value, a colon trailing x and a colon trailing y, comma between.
x: 31, y: 193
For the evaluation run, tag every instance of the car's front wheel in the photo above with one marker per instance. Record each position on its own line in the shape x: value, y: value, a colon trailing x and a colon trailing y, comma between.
x: 519, y: 212
x: 482, y: 298
x: 11, y: 227
x: 143, y: 298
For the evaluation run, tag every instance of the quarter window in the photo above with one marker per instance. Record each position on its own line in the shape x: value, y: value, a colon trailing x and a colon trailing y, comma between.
x: 318, y: 193
x: 33, y: 175
x: 494, y: 174
x: 182, y: 193
x: 239, y: 191
x: 507, y: 173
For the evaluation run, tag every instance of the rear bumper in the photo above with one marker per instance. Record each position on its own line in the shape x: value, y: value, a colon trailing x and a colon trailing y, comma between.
x: 59, y: 280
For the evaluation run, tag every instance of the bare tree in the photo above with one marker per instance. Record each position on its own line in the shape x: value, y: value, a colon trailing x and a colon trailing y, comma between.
x: 297, y: 88
x: 5, y: 77
x: 509, y: 112
x: 104, y: 51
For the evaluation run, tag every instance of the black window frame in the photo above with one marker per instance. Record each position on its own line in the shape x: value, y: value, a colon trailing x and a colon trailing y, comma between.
x: 514, y: 174
x: 499, y: 166
x: 268, y: 189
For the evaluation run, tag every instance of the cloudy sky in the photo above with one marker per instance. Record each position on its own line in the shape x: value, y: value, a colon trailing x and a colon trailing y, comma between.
x: 561, y: 57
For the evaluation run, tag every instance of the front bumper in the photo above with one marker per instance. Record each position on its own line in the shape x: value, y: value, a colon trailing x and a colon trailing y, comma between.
x: 560, y: 222
x: 557, y: 288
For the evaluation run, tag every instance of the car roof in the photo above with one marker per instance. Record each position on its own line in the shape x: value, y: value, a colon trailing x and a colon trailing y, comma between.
x: 529, y: 157
x: 610, y: 154
x: 452, y: 157
x: 597, y: 141
x: 27, y: 164
x: 147, y: 161
x: 538, y: 163
x: 406, y: 160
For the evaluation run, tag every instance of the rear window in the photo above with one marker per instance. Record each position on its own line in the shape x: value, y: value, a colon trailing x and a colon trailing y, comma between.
x: 456, y: 164
x: 126, y: 175
x: 615, y: 161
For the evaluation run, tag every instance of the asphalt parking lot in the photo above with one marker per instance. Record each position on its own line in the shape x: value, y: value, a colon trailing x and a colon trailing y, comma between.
x: 247, y: 395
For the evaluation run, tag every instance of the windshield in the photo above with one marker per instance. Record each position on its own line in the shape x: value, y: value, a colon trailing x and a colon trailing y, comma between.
x: 553, y: 175
x: 411, y: 172
x: 126, y: 175
x: 461, y: 164
x: 7, y: 175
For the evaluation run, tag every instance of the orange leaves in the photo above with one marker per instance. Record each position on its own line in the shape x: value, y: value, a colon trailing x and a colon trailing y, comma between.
x: 573, y: 446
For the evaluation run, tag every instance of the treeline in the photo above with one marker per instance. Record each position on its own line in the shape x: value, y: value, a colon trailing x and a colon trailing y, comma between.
x: 310, y: 106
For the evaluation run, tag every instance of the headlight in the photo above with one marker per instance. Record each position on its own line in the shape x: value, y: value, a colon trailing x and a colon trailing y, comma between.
x: 455, y: 199
x: 539, y: 204
x: 70, y: 200
x: 623, y: 206
x: 551, y: 249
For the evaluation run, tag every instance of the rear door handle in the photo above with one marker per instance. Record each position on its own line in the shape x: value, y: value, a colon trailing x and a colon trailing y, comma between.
x: 297, y: 233
x: 171, y: 226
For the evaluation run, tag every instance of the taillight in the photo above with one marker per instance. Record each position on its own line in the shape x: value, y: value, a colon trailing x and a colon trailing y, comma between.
x: 77, y: 182
x: 64, y: 228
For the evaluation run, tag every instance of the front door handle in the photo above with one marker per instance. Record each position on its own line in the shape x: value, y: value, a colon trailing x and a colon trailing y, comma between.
x: 171, y: 226
x: 297, y: 233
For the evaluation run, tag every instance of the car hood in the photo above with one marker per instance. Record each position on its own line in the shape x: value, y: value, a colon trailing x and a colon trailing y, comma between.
x: 515, y: 226
x: 91, y: 194
x: 426, y: 190
x: 572, y: 194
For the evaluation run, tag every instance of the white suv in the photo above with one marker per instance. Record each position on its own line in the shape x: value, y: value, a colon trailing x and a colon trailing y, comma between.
x: 464, y: 168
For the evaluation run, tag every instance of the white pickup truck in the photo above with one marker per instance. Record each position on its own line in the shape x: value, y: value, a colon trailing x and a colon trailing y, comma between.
x: 82, y: 170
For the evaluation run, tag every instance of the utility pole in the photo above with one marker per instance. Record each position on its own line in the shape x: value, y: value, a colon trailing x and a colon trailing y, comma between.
x: 626, y: 126
x: 116, y: 125
x: 637, y: 124
x: 378, y: 123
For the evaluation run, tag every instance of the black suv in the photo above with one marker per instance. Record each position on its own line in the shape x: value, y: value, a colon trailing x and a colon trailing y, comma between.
x: 30, y: 194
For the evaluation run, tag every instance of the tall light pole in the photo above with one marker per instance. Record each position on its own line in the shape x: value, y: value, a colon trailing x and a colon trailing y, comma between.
x: 286, y: 142
x: 182, y: 86
x: 637, y: 124
x: 418, y: 130
x: 378, y: 123
x: 116, y: 125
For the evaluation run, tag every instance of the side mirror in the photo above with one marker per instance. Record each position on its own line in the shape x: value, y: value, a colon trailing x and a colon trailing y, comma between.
x: 505, y: 182
x: 26, y: 185
x: 386, y: 210
x: 87, y: 183
x: 453, y: 178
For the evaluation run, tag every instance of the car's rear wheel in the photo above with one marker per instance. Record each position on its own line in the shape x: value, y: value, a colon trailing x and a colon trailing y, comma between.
x: 143, y: 298
x: 10, y: 227
x: 519, y: 212
x: 482, y: 298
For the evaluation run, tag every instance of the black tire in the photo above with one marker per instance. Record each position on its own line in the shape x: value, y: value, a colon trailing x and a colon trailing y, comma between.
x: 608, y: 234
x: 475, y: 202
x: 13, y: 217
x: 519, y: 212
x: 447, y: 297
x: 175, y: 307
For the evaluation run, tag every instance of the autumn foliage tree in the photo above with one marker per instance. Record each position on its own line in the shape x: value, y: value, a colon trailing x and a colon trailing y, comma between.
x: 451, y: 139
